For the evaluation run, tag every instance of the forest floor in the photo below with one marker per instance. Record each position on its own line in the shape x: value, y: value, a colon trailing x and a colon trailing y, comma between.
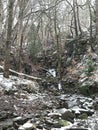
x: 28, y: 101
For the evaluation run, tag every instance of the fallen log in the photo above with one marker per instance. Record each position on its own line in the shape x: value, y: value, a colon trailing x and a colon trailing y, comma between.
x: 15, y: 73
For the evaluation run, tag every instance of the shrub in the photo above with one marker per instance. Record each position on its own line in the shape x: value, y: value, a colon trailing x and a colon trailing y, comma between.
x: 34, y: 45
x: 89, y: 67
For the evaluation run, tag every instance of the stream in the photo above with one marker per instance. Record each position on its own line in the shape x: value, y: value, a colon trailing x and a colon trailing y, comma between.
x: 49, y: 112
x: 22, y: 109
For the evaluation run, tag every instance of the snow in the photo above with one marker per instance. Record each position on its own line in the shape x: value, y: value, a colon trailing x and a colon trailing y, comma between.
x: 13, y: 82
x: 7, y: 84
x: 27, y: 125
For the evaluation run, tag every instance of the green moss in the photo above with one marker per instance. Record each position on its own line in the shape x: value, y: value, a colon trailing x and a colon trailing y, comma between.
x: 83, y: 116
x: 89, y: 67
x: 84, y: 90
x: 64, y: 122
x: 96, y: 106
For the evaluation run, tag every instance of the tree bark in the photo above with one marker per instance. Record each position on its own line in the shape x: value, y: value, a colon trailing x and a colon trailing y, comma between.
x: 75, y: 18
x: 57, y: 44
x: 8, y: 38
x: 97, y: 23
x: 20, y: 33
x: 0, y: 16
x: 78, y: 19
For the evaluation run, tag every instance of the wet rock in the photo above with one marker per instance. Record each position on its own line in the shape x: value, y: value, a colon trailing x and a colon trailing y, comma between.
x: 54, y: 115
x: 95, y: 105
x: 88, y: 86
x: 63, y: 103
x: 68, y: 115
x: 6, y: 124
x: 83, y: 116
x: 56, y: 122
x: 79, y: 128
x: 49, y: 121
x: 64, y: 122
x: 3, y: 115
x: 12, y: 128
x: 79, y: 111
x: 1, y: 91
x: 87, y: 105
x: 21, y: 120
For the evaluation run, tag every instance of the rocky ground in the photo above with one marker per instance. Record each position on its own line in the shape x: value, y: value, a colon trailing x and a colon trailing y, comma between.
x: 21, y: 109
x: 31, y: 105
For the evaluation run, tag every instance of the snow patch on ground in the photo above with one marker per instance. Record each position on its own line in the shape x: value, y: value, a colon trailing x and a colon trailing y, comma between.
x: 13, y: 82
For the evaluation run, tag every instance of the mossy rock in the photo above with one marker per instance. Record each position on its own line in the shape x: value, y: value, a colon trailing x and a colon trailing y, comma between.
x: 89, y: 89
x: 83, y: 116
x: 68, y: 115
x: 96, y: 106
x: 84, y: 90
x: 64, y: 122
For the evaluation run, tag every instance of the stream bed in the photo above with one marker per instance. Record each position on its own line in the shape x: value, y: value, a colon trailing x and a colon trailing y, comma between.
x: 23, y: 111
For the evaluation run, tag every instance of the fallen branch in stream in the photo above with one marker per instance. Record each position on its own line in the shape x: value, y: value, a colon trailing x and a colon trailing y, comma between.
x: 13, y: 72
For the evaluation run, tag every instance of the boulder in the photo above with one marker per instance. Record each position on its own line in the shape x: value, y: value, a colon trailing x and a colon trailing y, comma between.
x: 26, y: 126
x: 88, y: 87
x: 68, y: 115
x: 65, y: 114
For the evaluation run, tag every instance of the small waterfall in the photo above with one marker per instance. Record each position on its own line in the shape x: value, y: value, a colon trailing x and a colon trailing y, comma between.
x: 52, y: 72
x: 59, y: 86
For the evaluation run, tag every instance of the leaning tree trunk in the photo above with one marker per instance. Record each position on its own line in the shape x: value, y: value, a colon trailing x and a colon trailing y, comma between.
x: 8, y: 38
x: 78, y: 18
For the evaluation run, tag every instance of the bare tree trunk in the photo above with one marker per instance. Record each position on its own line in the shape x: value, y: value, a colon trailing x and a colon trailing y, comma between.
x: 57, y: 44
x: 0, y: 16
x: 20, y: 33
x: 71, y: 29
x: 8, y: 39
x: 75, y: 18
x: 97, y: 23
x: 78, y: 19
x: 90, y: 13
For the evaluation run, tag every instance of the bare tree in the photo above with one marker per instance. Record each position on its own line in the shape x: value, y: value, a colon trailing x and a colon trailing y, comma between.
x: 0, y: 16
x: 20, y: 32
x: 57, y: 42
x: 75, y: 18
x: 8, y: 38
x: 97, y: 22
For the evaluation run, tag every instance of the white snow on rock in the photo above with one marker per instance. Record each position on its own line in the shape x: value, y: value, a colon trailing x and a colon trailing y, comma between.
x: 13, y: 82
x: 7, y: 84
x: 26, y: 126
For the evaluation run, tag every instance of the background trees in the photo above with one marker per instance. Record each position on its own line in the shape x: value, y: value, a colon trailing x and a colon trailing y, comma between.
x: 45, y: 24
